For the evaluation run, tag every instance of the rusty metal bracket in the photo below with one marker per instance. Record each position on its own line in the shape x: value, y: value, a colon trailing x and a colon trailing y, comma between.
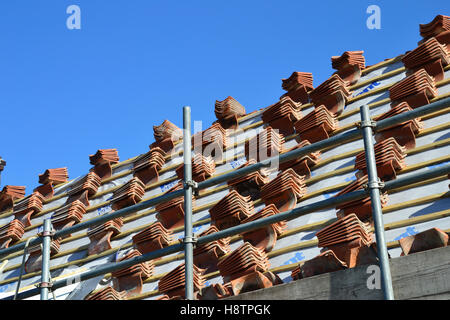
x: 44, y: 285
x: 46, y: 234
x: 192, y: 240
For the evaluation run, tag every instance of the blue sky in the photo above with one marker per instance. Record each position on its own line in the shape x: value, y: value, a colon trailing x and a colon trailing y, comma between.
x: 66, y: 93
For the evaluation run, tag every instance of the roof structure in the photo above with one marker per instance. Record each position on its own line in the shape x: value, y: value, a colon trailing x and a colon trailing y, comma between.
x: 319, y: 242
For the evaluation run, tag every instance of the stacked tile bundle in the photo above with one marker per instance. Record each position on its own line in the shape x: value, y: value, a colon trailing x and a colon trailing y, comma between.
x: 431, y: 56
x: 129, y: 194
x: 350, y: 240
x: 202, y: 168
x: 102, y: 161
x: 282, y: 115
x: 405, y: 132
x: 316, y: 125
x: 130, y: 280
x: 100, y: 235
x: 8, y: 195
x: 389, y: 157
x: 416, y: 89
x: 284, y: 191
x: 146, y: 166
x: 439, y: 27
x: 333, y: 94
x: 268, y: 143
x: 425, y: 240
x: 107, y: 293
x: 363, y: 207
x: 50, y: 178
x: 211, y: 142
x: 34, y: 261
x: 325, y: 262
x: 228, y: 112
x: 171, y: 213
x: 24, y: 209
x: 231, y: 210
x: 84, y: 188
x: 251, y: 183
x: 265, y: 237
x: 207, y: 255
x: 11, y: 233
x: 166, y: 135
x: 244, y: 260
x: 349, y: 66
x: 297, y: 86
x: 152, y: 238
x: 303, y: 164
x: 173, y: 283
x: 68, y: 215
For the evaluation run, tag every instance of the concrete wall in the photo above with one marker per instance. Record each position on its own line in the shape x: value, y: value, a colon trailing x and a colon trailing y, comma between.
x: 423, y: 275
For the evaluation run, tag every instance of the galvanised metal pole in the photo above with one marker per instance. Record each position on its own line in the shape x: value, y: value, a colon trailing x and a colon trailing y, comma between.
x: 287, y: 215
x: 45, y: 275
x: 188, y: 186
x: 375, y: 185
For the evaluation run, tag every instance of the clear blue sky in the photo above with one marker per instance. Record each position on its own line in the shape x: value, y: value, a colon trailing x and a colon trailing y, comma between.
x: 66, y: 93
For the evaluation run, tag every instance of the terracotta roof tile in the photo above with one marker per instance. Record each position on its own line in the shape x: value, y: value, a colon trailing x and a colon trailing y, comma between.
x: 268, y: 143
x: 250, y: 184
x: 11, y: 233
x: 100, y: 235
x: 68, y: 215
x: 282, y: 115
x: 332, y: 93
x: 24, y: 209
x: 231, y: 210
x: 107, y: 293
x: 439, y: 24
x: 228, y: 111
x: 173, y: 283
x: 202, y: 168
x: 207, y: 255
x: 302, y: 165
x: 323, y: 263
x: 426, y: 240
x: 9, y: 194
x: 34, y: 261
x: 349, y: 66
x: 152, y: 238
x: 316, y: 125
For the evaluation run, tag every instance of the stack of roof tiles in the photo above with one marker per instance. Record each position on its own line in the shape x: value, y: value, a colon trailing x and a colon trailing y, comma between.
x: 405, y: 132
x: 211, y: 142
x: 9, y: 194
x: 389, y: 158
x: 426, y: 240
x: 440, y: 24
x: 173, y: 283
x: 349, y: 239
x: 171, y: 213
x: 152, y: 238
x: 88, y: 184
x: 325, y: 262
x: 268, y: 143
x: 415, y: 89
x: 244, y: 260
x: 332, y: 93
x: 68, y: 215
x: 50, y: 178
x: 166, y: 135
x: 146, y: 166
x: 231, y: 210
x: 363, y: 207
x: 303, y: 164
x: 430, y: 55
x: 316, y: 125
x: 282, y: 115
x: 349, y: 65
x: 207, y: 255
x: 107, y: 293
x: 34, y: 261
x: 128, y: 194
x: 11, y: 232
x: 130, y: 279
x: 54, y: 176
x: 100, y: 235
x: 284, y: 191
x: 202, y: 168
x: 250, y: 184
x: 265, y: 237
x: 102, y: 161
x: 228, y: 111
x: 26, y: 208
x: 297, y: 86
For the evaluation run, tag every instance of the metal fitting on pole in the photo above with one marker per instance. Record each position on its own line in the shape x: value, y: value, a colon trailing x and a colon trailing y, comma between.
x: 45, y: 275
x: 189, y: 185
x: 374, y: 185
